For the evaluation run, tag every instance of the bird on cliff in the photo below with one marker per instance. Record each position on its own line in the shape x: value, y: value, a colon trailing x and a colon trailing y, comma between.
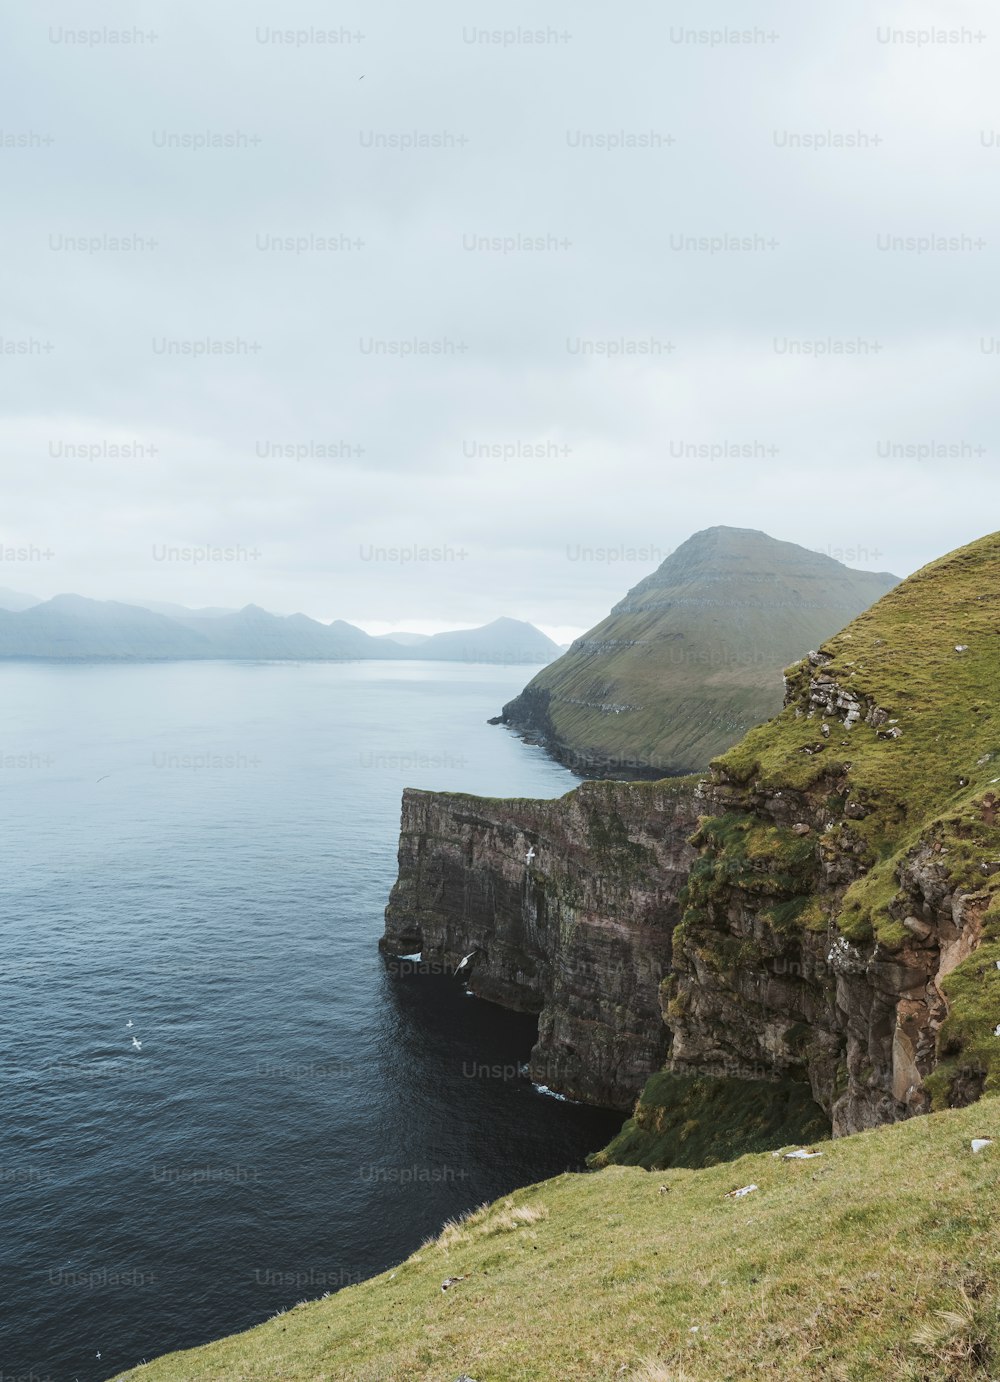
x: 530, y: 854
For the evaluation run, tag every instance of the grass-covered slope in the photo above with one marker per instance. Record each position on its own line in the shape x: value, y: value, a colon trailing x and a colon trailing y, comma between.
x: 928, y: 655
x: 692, y: 657
x: 878, y: 1260
x: 915, y: 803
x: 695, y: 1120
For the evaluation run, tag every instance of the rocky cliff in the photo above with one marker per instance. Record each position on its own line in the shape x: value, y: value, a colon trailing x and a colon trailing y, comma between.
x: 765, y: 984
x: 823, y: 906
x: 580, y: 933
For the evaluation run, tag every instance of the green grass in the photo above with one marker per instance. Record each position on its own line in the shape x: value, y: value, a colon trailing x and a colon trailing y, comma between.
x: 882, y: 801
x: 878, y: 1260
x: 692, y: 658
x: 900, y: 655
x: 695, y: 1120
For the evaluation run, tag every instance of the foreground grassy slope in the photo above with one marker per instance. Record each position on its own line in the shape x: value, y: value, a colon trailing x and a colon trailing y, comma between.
x: 880, y: 1259
x: 692, y: 657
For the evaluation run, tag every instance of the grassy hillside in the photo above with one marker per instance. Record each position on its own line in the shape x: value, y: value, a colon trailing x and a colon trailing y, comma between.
x: 917, y: 787
x: 879, y: 1259
x: 929, y: 656
x: 692, y: 657
x: 695, y: 1120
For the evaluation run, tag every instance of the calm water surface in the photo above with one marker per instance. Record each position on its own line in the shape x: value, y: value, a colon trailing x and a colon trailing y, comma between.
x: 204, y: 850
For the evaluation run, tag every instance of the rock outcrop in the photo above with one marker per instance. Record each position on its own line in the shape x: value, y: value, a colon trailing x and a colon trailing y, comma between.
x: 764, y: 984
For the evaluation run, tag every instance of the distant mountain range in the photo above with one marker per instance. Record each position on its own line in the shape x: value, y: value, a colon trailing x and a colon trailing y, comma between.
x: 16, y: 600
x: 692, y: 657
x: 407, y: 640
x: 74, y: 627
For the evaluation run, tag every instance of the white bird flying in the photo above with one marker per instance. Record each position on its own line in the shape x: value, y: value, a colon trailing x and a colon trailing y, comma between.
x: 136, y: 1044
x: 530, y: 854
x: 128, y: 1023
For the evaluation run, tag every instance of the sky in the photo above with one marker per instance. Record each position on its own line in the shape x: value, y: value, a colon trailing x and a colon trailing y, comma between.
x: 418, y: 315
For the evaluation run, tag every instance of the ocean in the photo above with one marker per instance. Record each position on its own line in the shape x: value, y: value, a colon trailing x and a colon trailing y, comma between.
x: 218, y: 1099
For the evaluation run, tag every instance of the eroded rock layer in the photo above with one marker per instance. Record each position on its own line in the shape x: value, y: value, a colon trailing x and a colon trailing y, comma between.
x: 581, y: 934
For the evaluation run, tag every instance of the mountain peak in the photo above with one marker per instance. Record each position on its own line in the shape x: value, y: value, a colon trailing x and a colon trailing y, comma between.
x: 693, y: 656
x: 505, y: 622
x: 722, y: 531
x: 69, y: 601
x: 748, y: 558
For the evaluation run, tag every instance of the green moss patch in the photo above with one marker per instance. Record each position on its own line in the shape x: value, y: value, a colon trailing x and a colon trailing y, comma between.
x: 697, y: 1120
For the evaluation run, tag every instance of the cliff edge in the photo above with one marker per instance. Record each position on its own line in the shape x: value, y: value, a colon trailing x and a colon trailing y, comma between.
x: 822, y: 907
x: 579, y: 933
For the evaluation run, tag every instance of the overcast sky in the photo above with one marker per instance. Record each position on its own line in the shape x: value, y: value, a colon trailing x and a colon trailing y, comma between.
x: 393, y: 247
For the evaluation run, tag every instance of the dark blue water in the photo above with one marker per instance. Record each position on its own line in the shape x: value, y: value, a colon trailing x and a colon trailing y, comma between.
x: 302, y: 1113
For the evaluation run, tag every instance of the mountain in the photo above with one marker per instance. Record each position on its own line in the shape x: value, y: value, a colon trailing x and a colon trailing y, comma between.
x: 505, y: 640
x: 405, y: 640
x: 692, y: 657
x: 254, y: 633
x: 70, y: 626
x: 174, y: 611
x: 15, y: 600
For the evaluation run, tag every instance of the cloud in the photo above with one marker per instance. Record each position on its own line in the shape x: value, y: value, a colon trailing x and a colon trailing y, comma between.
x: 508, y: 285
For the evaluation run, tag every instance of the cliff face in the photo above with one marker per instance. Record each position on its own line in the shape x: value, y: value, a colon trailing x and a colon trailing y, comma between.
x: 581, y: 934
x: 756, y: 985
x: 823, y: 907
x: 844, y: 915
x: 765, y: 985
